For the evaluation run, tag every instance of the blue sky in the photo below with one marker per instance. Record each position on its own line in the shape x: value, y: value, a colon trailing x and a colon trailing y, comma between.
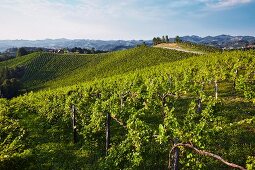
x: 124, y: 19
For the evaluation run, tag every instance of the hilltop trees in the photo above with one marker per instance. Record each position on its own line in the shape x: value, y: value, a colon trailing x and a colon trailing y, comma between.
x: 21, y: 51
x: 165, y: 39
x: 85, y: 50
x: 178, y: 39
x: 158, y: 40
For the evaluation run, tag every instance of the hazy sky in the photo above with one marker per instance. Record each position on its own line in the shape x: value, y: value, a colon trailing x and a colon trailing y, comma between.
x: 124, y: 19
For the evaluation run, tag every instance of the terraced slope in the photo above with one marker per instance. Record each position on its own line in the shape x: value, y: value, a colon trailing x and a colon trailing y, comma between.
x: 47, y: 70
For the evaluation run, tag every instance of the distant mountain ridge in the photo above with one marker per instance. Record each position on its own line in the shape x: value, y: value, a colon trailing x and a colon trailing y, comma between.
x: 104, y: 45
x: 221, y: 41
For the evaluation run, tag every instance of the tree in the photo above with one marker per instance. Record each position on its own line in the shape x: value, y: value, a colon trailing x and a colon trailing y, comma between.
x: 154, y: 40
x: 167, y: 39
x: 141, y: 45
x: 93, y: 50
x: 159, y: 40
x: 39, y: 50
x: 9, y: 81
x: 163, y: 39
x: 21, y: 52
x: 178, y: 39
x: 4, y: 74
x: 10, y: 88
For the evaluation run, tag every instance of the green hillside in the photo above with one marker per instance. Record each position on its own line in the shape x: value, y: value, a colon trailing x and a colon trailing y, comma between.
x: 48, y: 70
x: 19, y: 61
x: 204, y: 103
x: 199, y: 47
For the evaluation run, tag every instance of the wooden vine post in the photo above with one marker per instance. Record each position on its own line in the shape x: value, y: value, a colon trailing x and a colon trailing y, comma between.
x: 199, y: 105
x: 176, y: 156
x: 107, y: 132
x: 216, y: 89
x: 234, y: 84
x: 199, y: 100
x: 236, y: 72
x: 75, y: 135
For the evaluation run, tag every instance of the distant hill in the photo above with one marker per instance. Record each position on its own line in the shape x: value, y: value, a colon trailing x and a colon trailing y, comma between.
x: 48, y: 70
x: 111, y: 45
x: 222, y: 41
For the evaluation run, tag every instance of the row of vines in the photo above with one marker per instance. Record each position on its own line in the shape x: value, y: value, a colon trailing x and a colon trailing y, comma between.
x: 189, y: 114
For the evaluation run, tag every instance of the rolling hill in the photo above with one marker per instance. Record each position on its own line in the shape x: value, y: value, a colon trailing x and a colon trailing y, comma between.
x: 48, y: 70
x: 132, y: 119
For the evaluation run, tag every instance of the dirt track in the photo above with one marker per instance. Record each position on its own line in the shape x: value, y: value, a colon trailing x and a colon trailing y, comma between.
x: 174, y: 46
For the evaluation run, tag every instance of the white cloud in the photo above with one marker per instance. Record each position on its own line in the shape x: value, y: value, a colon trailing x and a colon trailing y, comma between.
x: 37, y: 19
x: 102, y: 19
x: 97, y: 19
x: 223, y: 4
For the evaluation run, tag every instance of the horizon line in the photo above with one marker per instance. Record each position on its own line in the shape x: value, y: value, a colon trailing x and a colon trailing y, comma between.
x: 43, y: 39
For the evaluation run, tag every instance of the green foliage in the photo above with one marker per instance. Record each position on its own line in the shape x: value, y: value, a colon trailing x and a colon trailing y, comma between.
x: 9, y: 81
x: 150, y: 109
x: 13, y: 153
x: 21, y: 52
x: 47, y: 70
x: 177, y: 39
x: 250, y: 163
x: 4, y: 74
x: 198, y: 47
x: 158, y: 40
x: 19, y: 61
x: 9, y: 88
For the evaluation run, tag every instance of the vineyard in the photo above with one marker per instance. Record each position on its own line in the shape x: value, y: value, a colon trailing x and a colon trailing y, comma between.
x: 184, y: 112
x: 48, y: 70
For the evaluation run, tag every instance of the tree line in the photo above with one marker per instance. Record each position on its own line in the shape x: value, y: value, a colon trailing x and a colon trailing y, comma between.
x: 10, y: 81
x: 165, y: 39
x: 22, y: 51
x: 85, y: 50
